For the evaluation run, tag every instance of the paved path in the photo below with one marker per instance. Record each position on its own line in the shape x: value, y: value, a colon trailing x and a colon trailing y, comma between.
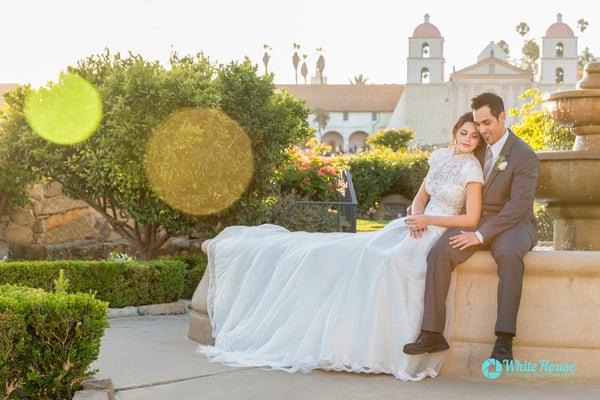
x: 151, y: 358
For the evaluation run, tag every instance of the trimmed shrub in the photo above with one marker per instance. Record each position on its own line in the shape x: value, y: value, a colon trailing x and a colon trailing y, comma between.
x: 381, y: 172
x: 298, y: 217
x: 392, y: 138
x: 195, y: 267
x: 118, y: 283
x: 47, y: 341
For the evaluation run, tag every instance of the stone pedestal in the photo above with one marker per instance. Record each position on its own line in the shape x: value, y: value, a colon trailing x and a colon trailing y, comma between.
x: 200, y: 328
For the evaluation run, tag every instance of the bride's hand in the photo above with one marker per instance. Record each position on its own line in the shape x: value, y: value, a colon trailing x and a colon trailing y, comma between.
x: 417, y: 233
x: 417, y: 222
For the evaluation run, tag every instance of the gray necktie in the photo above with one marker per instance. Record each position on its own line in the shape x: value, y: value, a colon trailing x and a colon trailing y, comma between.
x: 487, y: 163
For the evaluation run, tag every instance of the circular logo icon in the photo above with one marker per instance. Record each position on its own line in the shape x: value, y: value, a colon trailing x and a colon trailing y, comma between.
x: 491, y: 368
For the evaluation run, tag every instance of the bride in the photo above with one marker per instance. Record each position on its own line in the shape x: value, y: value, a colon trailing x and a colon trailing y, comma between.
x: 298, y: 301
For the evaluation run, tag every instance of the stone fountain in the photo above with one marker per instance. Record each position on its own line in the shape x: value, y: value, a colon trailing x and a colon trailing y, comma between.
x: 569, y: 181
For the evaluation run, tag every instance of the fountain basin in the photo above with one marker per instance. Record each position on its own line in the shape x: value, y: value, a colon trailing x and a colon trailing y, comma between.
x: 579, y: 109
x: 569, y: 176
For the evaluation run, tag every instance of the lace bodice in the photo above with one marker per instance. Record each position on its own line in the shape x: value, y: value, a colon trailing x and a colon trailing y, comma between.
x: 447, y: 179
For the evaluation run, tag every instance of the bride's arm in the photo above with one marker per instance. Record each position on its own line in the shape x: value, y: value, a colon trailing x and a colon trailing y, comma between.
x: 468, y: 220
x: 420, y: 201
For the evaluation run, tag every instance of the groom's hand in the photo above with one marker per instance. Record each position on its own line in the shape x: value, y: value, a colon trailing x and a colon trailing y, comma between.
x: 464, y: 240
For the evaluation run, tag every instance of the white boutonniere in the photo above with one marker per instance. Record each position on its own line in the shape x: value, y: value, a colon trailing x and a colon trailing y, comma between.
x: 501, y: 163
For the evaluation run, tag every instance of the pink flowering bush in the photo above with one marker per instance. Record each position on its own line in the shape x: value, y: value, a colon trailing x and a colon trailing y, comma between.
x: 311, y: 174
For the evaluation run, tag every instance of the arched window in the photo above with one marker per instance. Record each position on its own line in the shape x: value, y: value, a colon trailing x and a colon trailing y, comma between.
x: 559, y: 75
x: 425, y: 75
x: 425, y: 50
x: 560, y: 49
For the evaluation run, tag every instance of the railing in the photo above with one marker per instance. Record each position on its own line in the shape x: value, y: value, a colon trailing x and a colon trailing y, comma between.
x: 345, y: 208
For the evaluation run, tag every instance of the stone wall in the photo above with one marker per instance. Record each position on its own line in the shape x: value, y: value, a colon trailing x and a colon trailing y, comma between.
x: 56, y: 226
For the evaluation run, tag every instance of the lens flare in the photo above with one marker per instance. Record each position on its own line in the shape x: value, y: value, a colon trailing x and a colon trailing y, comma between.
x: 199, y: 160
x: 65, y: 113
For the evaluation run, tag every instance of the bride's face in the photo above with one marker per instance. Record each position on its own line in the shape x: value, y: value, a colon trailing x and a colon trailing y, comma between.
x: 467, y: 137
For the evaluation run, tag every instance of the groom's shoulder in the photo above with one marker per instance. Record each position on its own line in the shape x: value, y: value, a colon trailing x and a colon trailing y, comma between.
x: 521, y: 148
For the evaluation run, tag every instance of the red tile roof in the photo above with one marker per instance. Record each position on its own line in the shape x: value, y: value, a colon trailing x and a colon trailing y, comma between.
x: 366, y: 98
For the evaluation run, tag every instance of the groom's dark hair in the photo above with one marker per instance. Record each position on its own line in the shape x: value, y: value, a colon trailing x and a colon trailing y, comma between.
x: 493, y: 101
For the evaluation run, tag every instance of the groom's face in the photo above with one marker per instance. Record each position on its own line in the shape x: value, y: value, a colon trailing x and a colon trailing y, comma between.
x: 490, y: 128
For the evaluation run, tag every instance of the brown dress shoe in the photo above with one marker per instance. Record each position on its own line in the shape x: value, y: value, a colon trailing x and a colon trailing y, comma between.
x: 427, y: 342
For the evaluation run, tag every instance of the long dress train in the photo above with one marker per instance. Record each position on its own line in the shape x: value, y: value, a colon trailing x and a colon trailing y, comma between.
x: 298, y: 301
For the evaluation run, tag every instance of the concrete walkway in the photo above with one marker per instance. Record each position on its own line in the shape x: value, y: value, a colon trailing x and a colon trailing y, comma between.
x: 151, y: 358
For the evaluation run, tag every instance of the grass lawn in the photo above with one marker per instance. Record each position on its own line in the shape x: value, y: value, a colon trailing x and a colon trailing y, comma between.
x: 369, y: 225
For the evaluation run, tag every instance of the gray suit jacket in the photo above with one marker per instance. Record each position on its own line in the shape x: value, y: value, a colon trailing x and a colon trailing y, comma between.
x: 508, y: 195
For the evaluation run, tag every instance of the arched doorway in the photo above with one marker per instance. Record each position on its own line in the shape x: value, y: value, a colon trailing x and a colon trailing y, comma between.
x: 334, y: 139
x: 357, y: 141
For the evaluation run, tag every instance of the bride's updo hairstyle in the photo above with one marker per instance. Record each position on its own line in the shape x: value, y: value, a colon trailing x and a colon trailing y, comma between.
x: 467, y: 117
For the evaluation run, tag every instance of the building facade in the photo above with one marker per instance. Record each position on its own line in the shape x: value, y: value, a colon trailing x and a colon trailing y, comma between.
x: 429, y: 103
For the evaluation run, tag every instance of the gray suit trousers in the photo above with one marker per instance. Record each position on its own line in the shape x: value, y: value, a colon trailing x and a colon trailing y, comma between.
x: 507, y: 249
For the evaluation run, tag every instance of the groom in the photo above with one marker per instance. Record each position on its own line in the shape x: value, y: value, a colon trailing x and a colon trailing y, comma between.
x: 507, y: 228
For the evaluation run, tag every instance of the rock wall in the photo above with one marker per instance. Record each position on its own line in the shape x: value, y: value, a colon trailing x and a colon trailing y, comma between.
x: 56, y: 226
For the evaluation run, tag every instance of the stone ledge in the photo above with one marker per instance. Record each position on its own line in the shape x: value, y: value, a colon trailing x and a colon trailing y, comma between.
x: 558, y: 316
x: 96, y: 389
x: 176, y: 308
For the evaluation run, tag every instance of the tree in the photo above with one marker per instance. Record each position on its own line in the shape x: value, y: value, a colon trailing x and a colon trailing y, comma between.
x: 522, y: 28
x: 107, y: 170
x: 266, y: 57
x: 296, y: 61
x: 395, y: 139
x: 304, y: 69
x: 320, y: 64
x: 322, y: 119
x: 13, y: 179
x: 582, y: 25
x: 531, y: 53
x: 504, y: 46
x: 585, y: 57
x: 358, y: 80
x: 537, y: 128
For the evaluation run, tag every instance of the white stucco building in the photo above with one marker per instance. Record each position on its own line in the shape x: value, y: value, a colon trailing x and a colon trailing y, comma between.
x: 428, y: 102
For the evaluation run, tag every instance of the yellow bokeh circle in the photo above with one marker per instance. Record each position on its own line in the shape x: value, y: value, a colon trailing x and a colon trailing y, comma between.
x: 65, y: 113
x: 199, y: 160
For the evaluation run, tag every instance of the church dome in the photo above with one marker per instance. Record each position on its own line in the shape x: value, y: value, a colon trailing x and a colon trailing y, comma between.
x: 427, y: 30
x: 559, y: 29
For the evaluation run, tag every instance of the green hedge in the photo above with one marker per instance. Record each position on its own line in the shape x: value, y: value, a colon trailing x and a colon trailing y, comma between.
x: 118, y: 283
x: 47, y: 342
x: 195, y: 267
x: 381, y: 172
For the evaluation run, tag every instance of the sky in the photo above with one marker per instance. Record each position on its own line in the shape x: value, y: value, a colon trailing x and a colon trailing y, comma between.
x: 41, y: 38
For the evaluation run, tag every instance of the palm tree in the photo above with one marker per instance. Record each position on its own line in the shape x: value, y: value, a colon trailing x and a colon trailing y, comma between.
x: 531, y: 52
x: 304, y: 69
x: 359, y: 80
x: 296, y: 61
x: 522, y: 28
x: 320, y: 64
x: 322, y: 119
x: 504, y: 46
x: 582, y: 24
x: 266, y: 56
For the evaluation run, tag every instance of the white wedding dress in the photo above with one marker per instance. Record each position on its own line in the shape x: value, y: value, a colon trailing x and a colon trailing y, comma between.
x: 297, y: 301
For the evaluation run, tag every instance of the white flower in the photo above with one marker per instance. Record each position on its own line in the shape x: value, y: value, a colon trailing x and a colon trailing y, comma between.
x: 501, y: 163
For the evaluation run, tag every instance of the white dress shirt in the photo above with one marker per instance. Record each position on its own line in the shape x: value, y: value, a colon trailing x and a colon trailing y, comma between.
x: 496, y: 149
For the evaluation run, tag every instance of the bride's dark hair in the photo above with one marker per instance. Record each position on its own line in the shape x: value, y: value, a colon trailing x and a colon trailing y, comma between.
x: 467, y: 117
